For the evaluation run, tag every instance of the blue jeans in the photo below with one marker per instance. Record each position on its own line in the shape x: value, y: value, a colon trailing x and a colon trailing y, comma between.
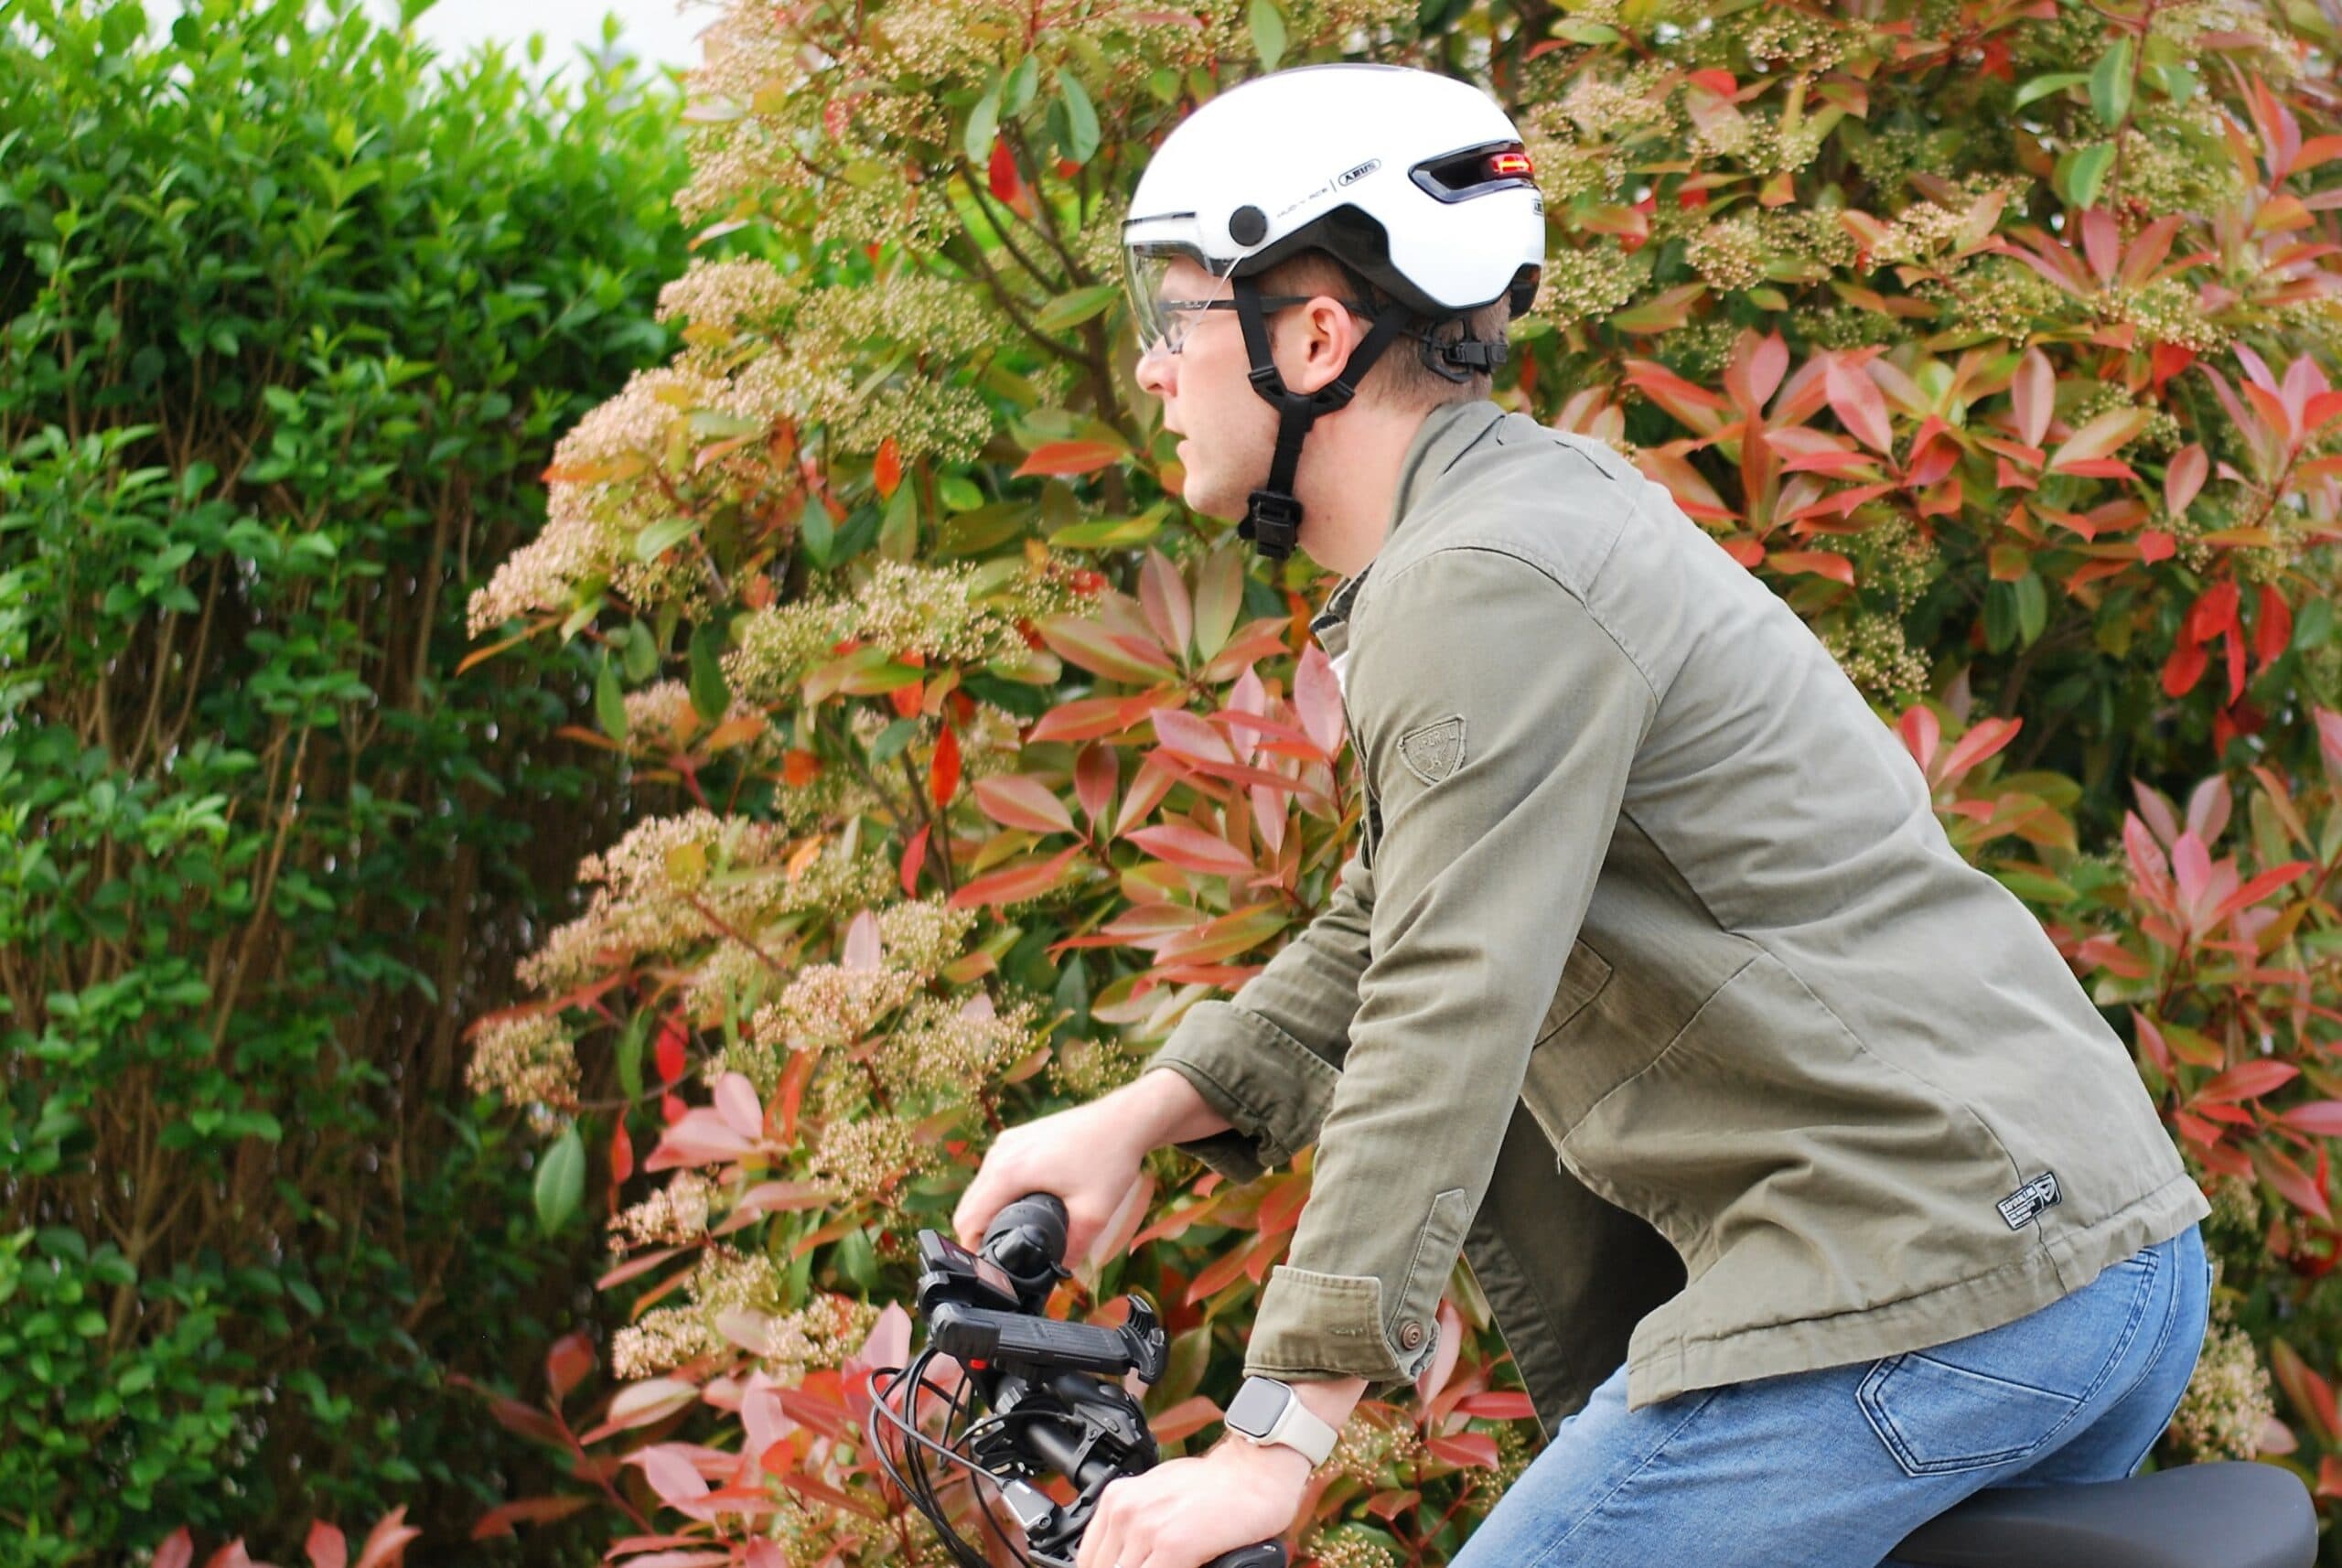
x: 1832, y: 1469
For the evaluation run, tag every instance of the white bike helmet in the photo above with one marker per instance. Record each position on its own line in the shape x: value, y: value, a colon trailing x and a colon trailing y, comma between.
x: 1416, y: 182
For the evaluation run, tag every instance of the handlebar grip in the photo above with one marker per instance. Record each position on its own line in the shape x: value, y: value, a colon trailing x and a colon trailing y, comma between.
x: 1041, y: 1216
x: 1266, y: 1554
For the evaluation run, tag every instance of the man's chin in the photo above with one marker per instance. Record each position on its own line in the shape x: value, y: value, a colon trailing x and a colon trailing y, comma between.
x: 1206, y: 499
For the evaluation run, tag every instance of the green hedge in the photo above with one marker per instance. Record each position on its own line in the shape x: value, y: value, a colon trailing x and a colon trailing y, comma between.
x: 288, y: 322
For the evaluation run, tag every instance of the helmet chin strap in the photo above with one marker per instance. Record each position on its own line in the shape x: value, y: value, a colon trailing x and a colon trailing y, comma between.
x: 1272, y: 520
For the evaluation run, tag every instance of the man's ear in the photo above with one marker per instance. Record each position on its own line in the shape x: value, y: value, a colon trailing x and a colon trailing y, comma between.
x: 1329, y: 334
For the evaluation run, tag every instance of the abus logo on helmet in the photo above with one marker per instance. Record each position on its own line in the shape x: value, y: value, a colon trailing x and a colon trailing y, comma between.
x: 1361, y: 172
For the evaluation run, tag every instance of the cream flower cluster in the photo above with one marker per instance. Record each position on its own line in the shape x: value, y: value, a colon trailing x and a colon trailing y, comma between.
x: 526, y: 1061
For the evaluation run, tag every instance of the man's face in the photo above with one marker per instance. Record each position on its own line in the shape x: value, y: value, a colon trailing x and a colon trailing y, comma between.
x: 1230, y: 431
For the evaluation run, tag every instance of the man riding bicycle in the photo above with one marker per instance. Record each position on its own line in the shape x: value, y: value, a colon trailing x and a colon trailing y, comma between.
x: 1810, y: 1190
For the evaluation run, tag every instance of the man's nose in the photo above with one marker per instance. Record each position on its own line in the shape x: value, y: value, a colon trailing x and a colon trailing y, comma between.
x: 1155, y: 369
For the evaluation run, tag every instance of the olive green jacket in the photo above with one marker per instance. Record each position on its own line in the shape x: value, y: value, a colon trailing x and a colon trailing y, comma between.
x: 1655, y: 986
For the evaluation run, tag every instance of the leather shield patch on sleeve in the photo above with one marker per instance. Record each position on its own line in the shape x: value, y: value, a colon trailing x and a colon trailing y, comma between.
x: 1434, y: 750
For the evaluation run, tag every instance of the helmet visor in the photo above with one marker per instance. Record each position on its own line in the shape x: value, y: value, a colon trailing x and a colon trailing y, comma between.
x: 1156, y: 292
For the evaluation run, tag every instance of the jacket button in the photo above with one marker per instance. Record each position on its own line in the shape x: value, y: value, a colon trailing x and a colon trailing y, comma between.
x: 1411, y: 1333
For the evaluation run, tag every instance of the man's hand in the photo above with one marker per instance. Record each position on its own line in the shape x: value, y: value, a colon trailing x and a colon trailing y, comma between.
x: 1184, y: 1512
x: 1089, y: 1156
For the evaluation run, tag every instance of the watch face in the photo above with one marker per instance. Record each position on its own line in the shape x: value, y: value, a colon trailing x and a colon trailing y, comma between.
x: 1257, y: 1405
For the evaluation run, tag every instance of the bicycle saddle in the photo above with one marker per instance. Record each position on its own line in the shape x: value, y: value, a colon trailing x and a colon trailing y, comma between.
x: 2230, y: 1515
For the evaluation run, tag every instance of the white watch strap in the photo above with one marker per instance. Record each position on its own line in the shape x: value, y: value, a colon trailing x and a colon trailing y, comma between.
x: 1298, y: 1429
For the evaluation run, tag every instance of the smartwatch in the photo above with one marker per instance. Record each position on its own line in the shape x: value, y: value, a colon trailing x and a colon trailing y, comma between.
x: 1265, y: 1411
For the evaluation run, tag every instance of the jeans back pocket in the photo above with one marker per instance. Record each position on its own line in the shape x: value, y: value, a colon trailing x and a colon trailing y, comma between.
x: 2001, y: 1396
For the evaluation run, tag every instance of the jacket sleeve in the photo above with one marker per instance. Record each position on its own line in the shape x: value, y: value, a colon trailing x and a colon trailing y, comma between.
x: 1267, y: 1059
x: 1499, y: 720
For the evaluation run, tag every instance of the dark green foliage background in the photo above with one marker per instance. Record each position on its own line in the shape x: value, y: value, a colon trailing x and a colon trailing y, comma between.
x: 288, y: 327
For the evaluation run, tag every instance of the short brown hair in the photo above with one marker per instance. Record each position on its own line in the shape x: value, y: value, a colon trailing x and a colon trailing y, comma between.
x: 1399, y: 379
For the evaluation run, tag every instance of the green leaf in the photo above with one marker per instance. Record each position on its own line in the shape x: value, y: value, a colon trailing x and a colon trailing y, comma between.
x: 1080, y: 115
x: 2031, y: 607
x: 1073, y: 309
x: 663, y: 536
x: 630, y: 1043
x: 2043, y: 86
x: 609, y: 703
x: 984, y: 124
x: 819, y: 532
x: 898, y: 534
x: 2109, y: 83
x: 1579, y: 30
x: 959, y: 493
x: 2314, y: 626
x: 710, y: 695
x: 1113, y: 532
x: 561, y: 1181
x: 1023, y: 82
x: 1268, y: 33
x: 892, y: 739
x: 856, y: 1259
x: 2032, y: 885
x: 641, y: 653
x: 2086, y: 173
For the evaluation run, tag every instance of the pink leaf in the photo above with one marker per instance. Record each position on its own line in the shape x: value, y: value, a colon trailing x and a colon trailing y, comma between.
x: 1095, y: 773
x: 674, y: 1477
x: 1921, y: 732
x: 325, y: 1546
x: 2183, y: 479
x: 1188, y: 735
x: 701, y: 1138
x: 1164, y: 596
x: 2319, y: 1118
x: 1248, y: 696
x: 652, y: 1400
x: 2207, y: 809
x: 1014, y: 884
x: 890, y: 1343
x: 1989, y: 736
x: 177, y: 1551
x: 2101, y: 242
x: 1856, y: 399
x: 386, y: 1542
x: 2157, y: 812
x: 1192, y: 848
x: 2191, y: 863
x: 1019, y: 800
x: 1317, y: 699
x: 862, y: 946
x: 2249, y: 1081
x: 736, y: 1103
x: 2034, y: 394
x: 2100, y: 437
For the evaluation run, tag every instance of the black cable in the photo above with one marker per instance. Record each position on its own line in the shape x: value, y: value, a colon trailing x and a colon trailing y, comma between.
x: 923, y: 1493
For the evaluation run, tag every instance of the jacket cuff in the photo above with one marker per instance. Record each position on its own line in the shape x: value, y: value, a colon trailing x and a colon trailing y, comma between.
x: 1314, y: 1326
x: 1272, y: 1090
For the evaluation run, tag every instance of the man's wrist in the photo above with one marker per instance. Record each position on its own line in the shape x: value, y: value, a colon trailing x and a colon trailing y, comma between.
x: 1276, y: 1459
x: 1168, y: 1108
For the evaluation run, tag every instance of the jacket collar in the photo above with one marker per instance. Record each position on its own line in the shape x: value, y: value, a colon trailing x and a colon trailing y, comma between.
x: 1445, y: 436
